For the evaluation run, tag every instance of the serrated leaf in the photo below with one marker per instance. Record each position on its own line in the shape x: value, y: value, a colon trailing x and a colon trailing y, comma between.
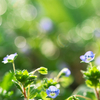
x: 21, y: 76
x: 92, y: 76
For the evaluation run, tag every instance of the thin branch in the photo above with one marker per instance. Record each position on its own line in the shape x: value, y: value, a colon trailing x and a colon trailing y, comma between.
x: 83, y: 97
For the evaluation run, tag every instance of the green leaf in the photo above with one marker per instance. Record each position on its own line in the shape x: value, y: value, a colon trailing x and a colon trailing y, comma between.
x: 92, y: 76
x: 33, y: 91
x: 43, y: 94
x: 5, y: 94
x: 84, y: 91
x: 18, y: 85
x: 7, y: 81
x: 43, y: 70
x: 82, y: 62
x: 29, y: 80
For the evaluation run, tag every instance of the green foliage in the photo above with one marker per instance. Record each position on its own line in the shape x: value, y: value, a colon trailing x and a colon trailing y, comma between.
x: 5, y: 94
x: 33, y: 91
x: 72, y: 98
x: 7, y: 81
x: 17, y: 85
x: 92, y: 76
x: 66, y: 81
x: 43, y: 70
x: 24, y: 77
x: 43, y: 94
x: 84, y: 91
x: 21, y: 76
x: 48, y: 82
x: 70, y: 35
x: 29, y: 80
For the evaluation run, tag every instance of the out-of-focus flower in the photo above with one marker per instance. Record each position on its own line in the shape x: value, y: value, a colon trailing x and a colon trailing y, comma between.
x: 97, y: 61
x: 52, y: 92
x: 46, y: 24
x: 97, y: 33
x: 66, y: 71
x: 87, y: 57
x: 9, y: 58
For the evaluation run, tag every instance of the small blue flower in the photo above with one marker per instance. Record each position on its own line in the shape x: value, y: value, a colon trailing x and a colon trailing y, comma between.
x: 9, y: 58
x: 66, y: 71
x: 52, y: 92
x: 87, y: 57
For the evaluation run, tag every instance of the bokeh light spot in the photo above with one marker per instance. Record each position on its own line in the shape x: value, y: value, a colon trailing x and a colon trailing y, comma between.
x: 97, y: 61
x: 46, y: 24
x: 74, y: 4
x: 0, y: 20
x: 28, y: 12
x: 3, y: 7
x: 48, y: 48
x: 20, y: 42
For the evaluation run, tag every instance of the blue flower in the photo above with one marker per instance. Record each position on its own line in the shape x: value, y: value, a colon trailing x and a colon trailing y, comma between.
x: 87, y: 57
x: 66, y: 71
x: 52, y: 92
x: 9, y: 58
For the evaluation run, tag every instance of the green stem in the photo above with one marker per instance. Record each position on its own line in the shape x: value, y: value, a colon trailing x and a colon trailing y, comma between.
x: 90, y: 64
x: 13, y: 67
x: 83, y: 97
x: 58, y: 75
x: 35, y: 71
x: 28, y: 92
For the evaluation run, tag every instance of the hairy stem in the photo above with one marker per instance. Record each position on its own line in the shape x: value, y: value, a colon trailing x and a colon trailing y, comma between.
x: 83, y: 97
x: 13, y: 67
x: 97, y: 93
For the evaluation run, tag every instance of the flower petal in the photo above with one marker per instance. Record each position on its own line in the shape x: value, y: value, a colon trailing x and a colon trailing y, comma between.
x: 82, y: 58
x: 52, y: 92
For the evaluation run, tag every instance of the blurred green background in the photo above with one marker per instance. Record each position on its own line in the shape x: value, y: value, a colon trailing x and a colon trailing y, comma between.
x: 49, y: 33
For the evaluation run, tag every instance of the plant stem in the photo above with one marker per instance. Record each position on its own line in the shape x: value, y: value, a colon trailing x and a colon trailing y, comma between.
x: 90, y: 64
x: 83, y: 97
x: 35, y: 71
x: 24, y: 92
x: 58, y: 75
x: 13, y: 67
x: 28, y: 92
x: 97, y: 93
